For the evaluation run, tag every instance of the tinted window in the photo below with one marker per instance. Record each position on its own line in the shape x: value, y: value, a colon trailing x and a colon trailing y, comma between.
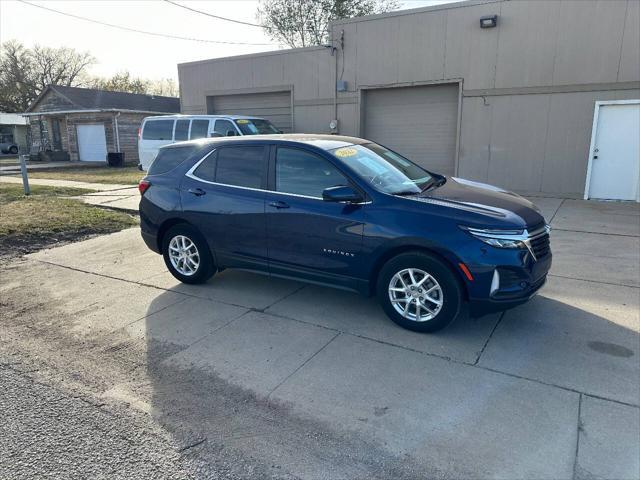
x: 169, y: 158
x: 207, y: 169
x: 241, y: 166
x: 386, y: 170
x: 158, y: 130
x: 303, y: 173
x: 223, y: 126
x: 256, y: 126
x: 182, y: 130
x: 199, y: 128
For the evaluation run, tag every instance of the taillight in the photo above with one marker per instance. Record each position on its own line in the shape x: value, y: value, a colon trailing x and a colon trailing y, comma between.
x: 143, y: 186
x: 139, y: 133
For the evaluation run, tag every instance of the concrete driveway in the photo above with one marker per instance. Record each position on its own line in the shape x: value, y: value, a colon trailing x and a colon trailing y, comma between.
x: 317, y: 383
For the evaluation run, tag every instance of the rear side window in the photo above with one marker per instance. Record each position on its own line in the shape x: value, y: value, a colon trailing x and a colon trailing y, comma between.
x: 199, y: 128
x: 182, y: 130
x: 170, y: 158
x: 241, y: 166
x: 158, y: 130
x: 207, y: 168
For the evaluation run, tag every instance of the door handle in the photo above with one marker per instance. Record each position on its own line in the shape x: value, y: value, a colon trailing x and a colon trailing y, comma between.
x: 279, y: 204
x: 198, y: 192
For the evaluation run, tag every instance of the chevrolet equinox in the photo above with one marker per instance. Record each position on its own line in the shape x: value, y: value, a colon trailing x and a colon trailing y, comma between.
x: 347, y: 213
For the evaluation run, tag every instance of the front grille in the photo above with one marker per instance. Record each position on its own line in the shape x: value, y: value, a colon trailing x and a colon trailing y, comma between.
x: 540, y: 244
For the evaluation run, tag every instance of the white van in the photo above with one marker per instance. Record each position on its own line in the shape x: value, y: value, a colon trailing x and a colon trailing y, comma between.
x: 163, y: 130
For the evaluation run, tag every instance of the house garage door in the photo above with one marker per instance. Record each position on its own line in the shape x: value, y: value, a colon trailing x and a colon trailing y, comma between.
x: 92, y: 144
x: 274, y: 106
x: 421, y: 123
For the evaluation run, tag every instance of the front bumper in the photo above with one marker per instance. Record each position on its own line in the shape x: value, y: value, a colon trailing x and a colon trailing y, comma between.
x: 478, y: 308
x: 521, y: 276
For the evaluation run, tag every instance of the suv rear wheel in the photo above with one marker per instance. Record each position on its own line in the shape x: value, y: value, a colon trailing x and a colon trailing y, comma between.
x: 187, y: 255
x: 418, y: 292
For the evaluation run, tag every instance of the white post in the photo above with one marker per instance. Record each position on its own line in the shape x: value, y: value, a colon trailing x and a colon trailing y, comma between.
x: 25, y: 178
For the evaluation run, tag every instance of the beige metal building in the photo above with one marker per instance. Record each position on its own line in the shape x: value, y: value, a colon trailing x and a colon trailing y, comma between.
x: 547, y: 100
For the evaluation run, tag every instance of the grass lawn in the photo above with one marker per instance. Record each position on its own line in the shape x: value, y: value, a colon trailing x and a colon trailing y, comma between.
x: 125, y: 175
x: 48, y: 216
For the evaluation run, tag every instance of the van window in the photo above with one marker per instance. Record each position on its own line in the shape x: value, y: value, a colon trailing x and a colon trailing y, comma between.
x: 303, y: 173
x: 199, y: 128
x: 241, y: 166
x: 223, y: 126
x: 182, y: 130
x: 158, y: 130
x: 169, y: 158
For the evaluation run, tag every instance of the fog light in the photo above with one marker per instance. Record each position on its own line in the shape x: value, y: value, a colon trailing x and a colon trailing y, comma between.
x: 495, y: 282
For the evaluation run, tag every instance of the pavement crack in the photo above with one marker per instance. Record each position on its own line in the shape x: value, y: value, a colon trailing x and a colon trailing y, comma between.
x: 592, y: 281
x: 303, y: 364
x: 578, y: 430
x: 192, y: 445
x: 557, y: 210
x: 489, y: 337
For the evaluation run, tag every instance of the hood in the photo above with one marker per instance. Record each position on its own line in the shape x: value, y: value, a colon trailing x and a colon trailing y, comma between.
x: 485, y: 200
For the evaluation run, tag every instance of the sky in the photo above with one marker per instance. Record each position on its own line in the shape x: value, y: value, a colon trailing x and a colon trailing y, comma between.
x: 143, y: 55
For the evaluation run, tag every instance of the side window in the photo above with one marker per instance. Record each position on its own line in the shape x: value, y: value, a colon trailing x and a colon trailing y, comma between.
x: 199, y: 128
x: 241, y: 166
x: 207, y: 169
x: 223, y: 126
x: 182, y: 130
x: 158, y: 130
x: 169, y: 158
x: 303, y: 173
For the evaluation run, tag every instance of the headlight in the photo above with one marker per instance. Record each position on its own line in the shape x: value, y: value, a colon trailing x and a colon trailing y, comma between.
x: 500, y: 238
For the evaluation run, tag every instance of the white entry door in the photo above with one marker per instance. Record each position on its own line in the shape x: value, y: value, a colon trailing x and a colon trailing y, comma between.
x: 92, y: 143
x: 614, y: 172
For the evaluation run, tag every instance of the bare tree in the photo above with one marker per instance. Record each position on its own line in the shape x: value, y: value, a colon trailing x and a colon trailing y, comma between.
x: 125, y: 82
x: 26, y: 72
x: 303, y: 23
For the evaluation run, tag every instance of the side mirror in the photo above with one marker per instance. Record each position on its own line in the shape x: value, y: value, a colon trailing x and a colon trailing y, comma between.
x: 341, y: 193
x: 231, y: 133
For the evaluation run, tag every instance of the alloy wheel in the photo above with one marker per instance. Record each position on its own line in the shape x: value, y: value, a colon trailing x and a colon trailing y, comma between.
x: 184, y: 255
x: 416, y: 295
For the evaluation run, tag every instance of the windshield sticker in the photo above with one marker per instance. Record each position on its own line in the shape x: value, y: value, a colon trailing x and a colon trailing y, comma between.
x: 346, y: 152
x: 242, y: 122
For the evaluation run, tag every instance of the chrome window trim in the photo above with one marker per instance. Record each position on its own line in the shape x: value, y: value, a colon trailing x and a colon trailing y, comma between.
x: 195, y: 166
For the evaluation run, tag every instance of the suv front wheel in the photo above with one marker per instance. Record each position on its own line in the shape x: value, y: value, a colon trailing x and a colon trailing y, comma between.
x: 418, y: 292
x: 187, y: 255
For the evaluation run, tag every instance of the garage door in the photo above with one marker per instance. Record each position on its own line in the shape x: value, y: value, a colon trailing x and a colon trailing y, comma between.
x: 421, y: 123
x: 92, y: 144
x: 274, y: 106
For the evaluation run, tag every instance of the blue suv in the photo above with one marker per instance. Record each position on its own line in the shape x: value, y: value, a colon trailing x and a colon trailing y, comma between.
x: 347, y: 213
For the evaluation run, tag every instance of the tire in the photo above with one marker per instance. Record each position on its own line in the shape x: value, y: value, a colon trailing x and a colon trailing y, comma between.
x: 13, y: 150
x: 439, y: 285
x: 199, y: 259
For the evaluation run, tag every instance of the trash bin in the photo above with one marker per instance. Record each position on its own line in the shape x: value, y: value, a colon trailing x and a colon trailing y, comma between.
x: 115, y: 159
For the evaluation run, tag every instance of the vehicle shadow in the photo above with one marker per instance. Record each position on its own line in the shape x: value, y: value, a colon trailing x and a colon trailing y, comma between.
x: 208, y: 366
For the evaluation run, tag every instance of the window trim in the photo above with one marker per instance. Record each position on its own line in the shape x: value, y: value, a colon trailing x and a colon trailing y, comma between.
x: 190, y: 173
x: 271, y: 154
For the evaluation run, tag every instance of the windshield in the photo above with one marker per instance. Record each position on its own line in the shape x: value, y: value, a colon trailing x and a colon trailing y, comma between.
x: 386, y: 170
x: 256, y: 126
